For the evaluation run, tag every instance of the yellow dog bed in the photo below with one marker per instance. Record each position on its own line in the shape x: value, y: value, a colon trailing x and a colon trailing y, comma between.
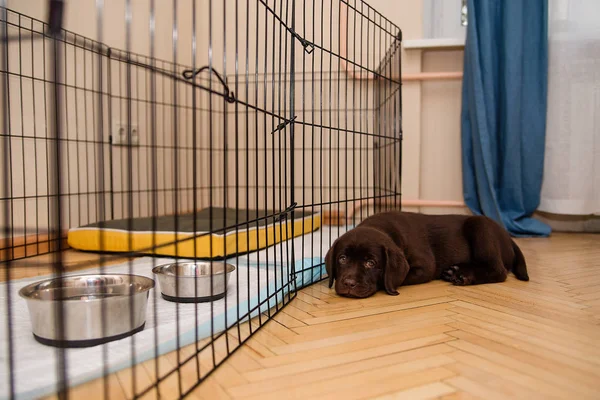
x: 137, y: 235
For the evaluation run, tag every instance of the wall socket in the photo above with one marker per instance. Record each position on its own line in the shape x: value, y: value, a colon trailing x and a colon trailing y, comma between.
x: 121, y: 136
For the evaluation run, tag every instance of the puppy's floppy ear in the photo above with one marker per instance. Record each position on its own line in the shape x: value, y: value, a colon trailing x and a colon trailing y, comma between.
x: 395, y: 269
x: 330, y: 261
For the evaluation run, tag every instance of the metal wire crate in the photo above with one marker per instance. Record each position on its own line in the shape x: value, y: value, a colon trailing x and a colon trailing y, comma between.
x: 254, y: 115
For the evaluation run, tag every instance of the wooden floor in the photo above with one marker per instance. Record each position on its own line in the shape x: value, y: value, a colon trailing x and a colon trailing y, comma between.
x: 537, y: 339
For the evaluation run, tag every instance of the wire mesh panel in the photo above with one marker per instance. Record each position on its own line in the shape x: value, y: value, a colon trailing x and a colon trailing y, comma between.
x: 348, y: 132
x: 173, y: 172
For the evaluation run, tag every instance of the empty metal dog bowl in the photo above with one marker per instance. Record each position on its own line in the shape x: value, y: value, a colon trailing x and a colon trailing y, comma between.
x: 194, y: 281
x: 124, y: 299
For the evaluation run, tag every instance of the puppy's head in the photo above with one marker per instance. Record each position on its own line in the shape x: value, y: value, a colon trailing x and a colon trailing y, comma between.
x: 364, y: 260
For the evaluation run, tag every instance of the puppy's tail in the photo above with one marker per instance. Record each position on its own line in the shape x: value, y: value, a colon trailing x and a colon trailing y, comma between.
x: 519, y: 264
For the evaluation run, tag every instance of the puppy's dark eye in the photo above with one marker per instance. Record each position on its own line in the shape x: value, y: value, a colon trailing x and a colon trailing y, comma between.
x: 370, y: 264
x: 343, y: 259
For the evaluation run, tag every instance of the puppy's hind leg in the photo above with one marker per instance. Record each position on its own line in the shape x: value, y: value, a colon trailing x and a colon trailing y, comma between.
x: 486, y: 257
x: 486, y: 264
x: 422, y: 269
x: 474, y: 274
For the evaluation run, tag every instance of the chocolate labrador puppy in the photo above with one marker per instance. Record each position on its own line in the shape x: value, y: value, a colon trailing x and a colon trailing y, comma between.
x: 396, y: 248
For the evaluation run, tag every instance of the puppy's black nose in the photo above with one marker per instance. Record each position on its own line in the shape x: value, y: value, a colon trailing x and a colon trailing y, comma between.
x: 351, y: 283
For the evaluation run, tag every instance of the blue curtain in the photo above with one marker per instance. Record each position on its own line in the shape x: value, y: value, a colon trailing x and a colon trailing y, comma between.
x: 503, y: 118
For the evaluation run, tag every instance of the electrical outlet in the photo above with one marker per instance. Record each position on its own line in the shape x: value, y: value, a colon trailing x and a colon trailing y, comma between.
x: 121, y: 135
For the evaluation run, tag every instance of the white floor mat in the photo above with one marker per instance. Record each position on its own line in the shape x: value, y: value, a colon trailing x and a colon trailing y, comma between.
x: 35, y: 364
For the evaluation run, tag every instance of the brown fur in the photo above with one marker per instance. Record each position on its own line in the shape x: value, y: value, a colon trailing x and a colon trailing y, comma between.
x: 396, y: 248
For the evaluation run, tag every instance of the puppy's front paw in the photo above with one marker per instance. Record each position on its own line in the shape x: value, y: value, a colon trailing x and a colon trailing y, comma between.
x: 457, y: 276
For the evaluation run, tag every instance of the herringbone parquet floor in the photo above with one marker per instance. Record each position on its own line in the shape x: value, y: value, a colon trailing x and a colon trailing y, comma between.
x: 537, y: 339
x: 523, y: 340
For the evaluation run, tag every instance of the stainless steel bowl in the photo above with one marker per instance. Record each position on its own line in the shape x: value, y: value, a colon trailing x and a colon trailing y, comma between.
x: 193, y: 280
x: 124, y: 299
